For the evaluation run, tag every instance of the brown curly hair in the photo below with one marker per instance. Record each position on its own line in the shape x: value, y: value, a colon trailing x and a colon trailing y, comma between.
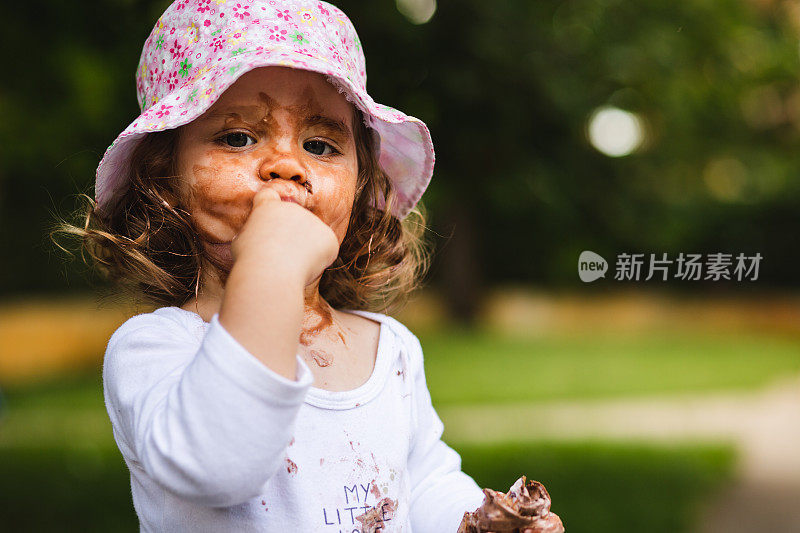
x: 150, y: 248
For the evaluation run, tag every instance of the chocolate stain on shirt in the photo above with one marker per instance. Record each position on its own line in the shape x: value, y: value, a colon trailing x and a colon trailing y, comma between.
x: 375, y: 491
x: 375, y: 463
x: 374, y: 520
x: 291, y: 467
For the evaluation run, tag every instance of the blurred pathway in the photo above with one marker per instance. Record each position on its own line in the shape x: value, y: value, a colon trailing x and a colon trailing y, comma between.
x: 764, y: 425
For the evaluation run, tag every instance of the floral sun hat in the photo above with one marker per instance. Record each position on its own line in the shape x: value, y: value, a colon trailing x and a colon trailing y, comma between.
x: 198, y: 48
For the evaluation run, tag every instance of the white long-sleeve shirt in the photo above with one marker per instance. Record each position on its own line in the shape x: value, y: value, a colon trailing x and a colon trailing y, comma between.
x: 216, y: 441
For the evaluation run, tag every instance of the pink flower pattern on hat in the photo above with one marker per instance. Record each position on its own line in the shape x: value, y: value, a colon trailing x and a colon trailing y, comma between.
x: 198, y: 48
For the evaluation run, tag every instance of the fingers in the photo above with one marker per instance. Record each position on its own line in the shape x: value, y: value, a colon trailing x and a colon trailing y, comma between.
x: 266, y: 194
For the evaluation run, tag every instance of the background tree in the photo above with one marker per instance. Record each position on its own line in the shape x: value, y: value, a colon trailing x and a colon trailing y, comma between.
x: 508, y: 89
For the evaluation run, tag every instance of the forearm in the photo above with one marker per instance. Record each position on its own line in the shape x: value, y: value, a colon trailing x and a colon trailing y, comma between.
x: 263, y: 310
x: 220, y: 431
x: 281, y: 249
x: 440, y: 492
x: 209, y: 423
x: 440, y: 498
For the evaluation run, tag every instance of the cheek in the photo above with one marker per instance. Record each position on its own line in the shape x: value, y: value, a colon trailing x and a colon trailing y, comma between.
x: 338, y: 203
x: 218, y: 194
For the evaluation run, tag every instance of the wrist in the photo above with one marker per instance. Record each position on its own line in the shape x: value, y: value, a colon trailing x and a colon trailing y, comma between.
x: 267, y: 271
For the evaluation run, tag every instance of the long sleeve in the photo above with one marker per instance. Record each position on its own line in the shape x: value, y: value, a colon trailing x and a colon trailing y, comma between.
x: 209, y: 424
x: 440, y: 491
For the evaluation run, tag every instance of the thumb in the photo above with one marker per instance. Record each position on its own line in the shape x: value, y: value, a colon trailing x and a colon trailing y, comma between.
x: 264, y: 195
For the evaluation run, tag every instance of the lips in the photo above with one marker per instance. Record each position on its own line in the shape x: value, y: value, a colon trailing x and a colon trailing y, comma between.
x: 289, y: 192
x: 285, y: 198
x: 299, y: 199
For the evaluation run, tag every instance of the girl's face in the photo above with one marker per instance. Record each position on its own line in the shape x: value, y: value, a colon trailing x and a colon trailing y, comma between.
x: 274, y: 127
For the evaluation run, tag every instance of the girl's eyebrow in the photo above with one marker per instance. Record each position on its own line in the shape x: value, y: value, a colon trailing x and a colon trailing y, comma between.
x: 226, y: 115
x: 335, y: 125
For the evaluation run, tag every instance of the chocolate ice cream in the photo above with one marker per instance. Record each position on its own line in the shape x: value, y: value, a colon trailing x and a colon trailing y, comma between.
x: 524, y: 509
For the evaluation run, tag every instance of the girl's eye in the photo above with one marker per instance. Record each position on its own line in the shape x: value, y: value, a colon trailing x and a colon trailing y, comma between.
x: 319, y: 148
x: 238, y: 139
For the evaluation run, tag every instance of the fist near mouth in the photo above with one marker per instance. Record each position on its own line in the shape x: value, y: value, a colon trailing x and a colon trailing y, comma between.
x: 524, y: 509
x: 285, y: 236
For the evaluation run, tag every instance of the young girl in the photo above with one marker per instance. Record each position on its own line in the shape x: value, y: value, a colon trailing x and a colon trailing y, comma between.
x: 258, y: 200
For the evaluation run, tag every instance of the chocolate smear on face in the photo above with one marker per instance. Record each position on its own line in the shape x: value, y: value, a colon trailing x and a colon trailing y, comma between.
x: 374, y: 521
x: 209, y: 199
x: 269, y: 104
x: 524, y: 509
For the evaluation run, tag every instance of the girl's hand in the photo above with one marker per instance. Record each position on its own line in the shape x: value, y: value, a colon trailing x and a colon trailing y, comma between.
x: 281, y: 249
x: 283, y: 238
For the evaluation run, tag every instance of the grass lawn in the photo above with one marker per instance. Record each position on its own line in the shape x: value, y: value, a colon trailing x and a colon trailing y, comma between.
x: 479, y: 367
x: 60, y: 471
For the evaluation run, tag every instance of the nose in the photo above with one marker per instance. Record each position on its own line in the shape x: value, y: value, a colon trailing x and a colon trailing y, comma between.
x: 282, y: 166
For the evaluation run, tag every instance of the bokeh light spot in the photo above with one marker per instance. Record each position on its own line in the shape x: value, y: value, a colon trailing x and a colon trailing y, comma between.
x: 725, y: 178
x: 615, y: 132
x: 417, y: 11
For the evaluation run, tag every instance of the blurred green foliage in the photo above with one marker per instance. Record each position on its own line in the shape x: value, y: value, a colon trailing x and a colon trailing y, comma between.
x: 507, y: 89
x: 62, y: 490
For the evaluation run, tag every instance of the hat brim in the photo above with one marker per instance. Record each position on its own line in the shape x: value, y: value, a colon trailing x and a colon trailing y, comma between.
x: 406, y: 149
